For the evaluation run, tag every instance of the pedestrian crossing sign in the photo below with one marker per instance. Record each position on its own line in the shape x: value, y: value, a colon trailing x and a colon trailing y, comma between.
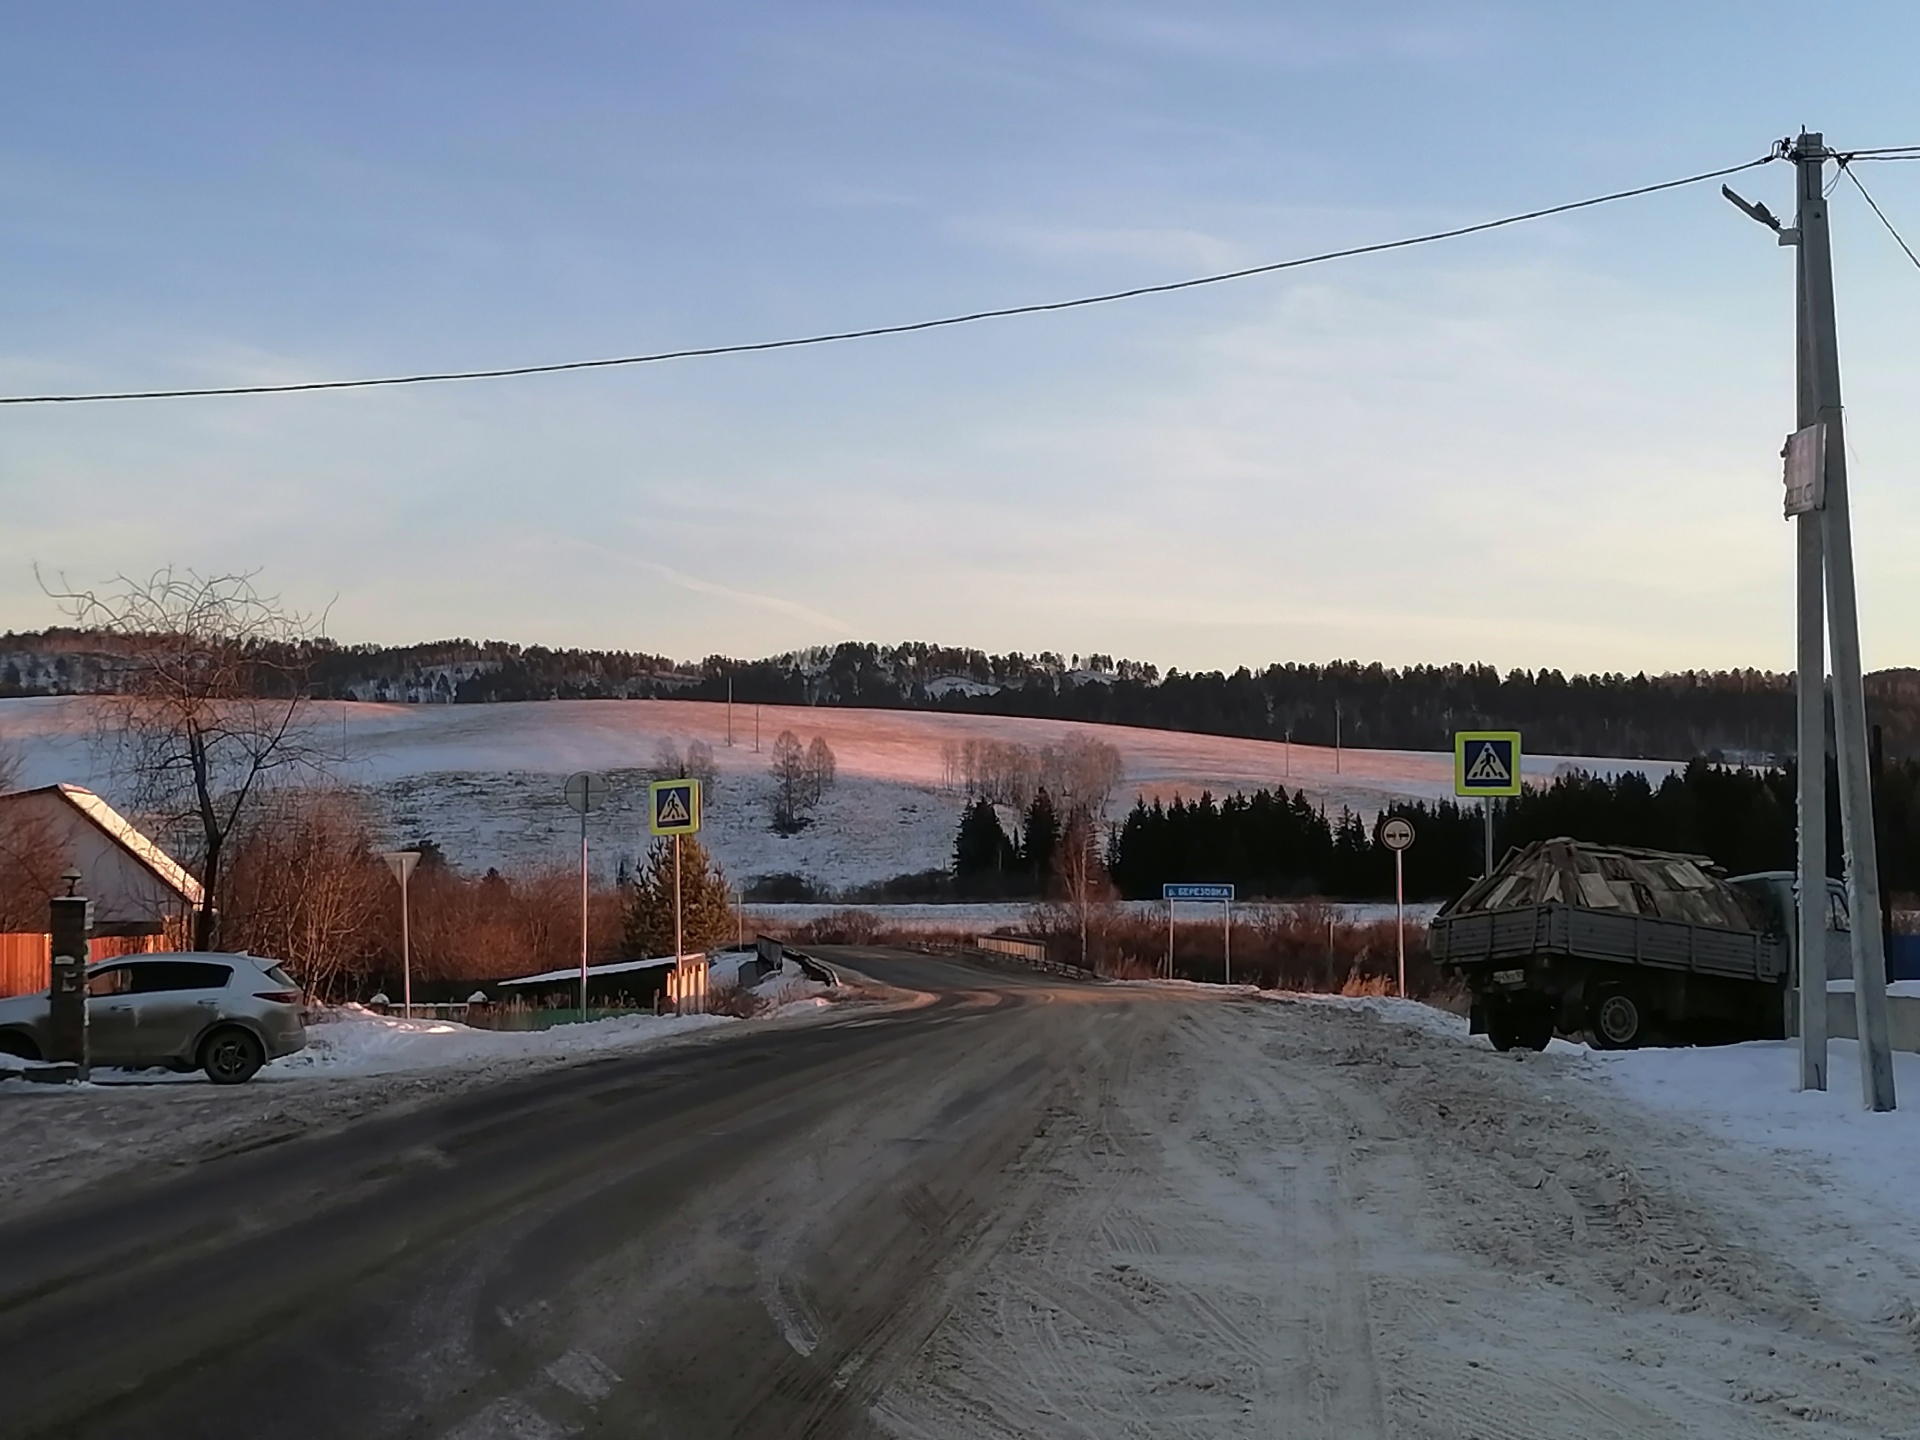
x: 675, y: 807
x: 1486, y: 762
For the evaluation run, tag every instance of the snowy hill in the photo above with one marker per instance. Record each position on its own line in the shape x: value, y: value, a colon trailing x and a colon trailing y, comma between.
x: 483, y: 781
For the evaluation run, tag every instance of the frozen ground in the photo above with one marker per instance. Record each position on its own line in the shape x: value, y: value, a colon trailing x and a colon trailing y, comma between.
x: 1346, y: 1219
x: 483, y: 781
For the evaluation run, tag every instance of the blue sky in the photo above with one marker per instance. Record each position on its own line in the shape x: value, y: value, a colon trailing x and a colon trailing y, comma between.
x: 1551, y: 446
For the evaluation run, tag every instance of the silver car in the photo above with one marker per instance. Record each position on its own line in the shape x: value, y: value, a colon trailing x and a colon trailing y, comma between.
x: 225, y: 1014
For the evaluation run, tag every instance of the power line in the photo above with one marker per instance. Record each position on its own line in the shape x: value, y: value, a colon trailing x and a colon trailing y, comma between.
x: 1847, y: 170
x: 872, y: 332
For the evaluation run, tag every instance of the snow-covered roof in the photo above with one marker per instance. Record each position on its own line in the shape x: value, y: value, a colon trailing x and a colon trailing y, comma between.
x: 615, y: 967
x: 124, y: 834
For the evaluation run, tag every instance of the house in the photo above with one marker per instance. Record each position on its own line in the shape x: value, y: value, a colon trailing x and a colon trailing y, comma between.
x: 143, y: 899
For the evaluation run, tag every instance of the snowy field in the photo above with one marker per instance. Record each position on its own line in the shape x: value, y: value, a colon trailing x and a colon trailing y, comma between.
x: 980, y: 919
x: 483, y: 781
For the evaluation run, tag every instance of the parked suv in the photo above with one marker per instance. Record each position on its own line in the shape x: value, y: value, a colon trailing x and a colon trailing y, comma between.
x: 225, y: 1014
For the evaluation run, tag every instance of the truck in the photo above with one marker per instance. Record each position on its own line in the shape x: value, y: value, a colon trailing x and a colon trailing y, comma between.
x: 1625, y: 946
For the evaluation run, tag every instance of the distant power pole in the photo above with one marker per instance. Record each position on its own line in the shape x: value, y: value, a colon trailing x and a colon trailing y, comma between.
x: 1817, y: 494
x: 729, y: 712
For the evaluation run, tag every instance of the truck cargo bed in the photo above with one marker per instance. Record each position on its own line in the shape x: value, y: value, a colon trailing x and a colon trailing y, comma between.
x: 1491, y: 936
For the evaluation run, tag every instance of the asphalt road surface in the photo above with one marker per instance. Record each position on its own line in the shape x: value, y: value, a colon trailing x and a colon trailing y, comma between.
x: 732, y: 1238
x: 1007, y: 1207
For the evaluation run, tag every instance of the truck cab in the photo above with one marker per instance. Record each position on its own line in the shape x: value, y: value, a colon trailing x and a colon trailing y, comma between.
x: 1776, y: 892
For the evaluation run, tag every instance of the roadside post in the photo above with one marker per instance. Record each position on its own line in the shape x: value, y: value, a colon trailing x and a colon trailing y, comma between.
x: 71, y: 923
x: 1486, y: 765
x: 674, y: 809
x: 401, y: 863
x: 1216, y: 894
x: 585, y: 792
x: 1396, y: 833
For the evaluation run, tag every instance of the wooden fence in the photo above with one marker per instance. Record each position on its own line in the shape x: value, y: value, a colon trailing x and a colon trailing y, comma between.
x: 26, y: 960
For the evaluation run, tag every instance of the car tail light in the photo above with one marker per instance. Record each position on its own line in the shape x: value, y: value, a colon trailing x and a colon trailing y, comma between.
x: 284, y: 997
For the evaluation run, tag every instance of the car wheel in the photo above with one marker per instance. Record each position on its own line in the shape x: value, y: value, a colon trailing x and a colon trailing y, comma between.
x: 19, y: 1046
x: 231, y: 1056
x: 1618, y: 1020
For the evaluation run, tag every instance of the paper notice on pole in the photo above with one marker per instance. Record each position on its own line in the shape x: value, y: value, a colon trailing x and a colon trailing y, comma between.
x: 1806, y: 469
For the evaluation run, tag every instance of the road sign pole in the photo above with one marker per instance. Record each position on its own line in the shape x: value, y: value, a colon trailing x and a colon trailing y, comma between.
x: 1400, y: 913
x: 1843, y: 619
x: 406, y: 951
x: 1486, y: 828
x: 679, y: 945
x: 583, y: 915
x: 1169, y: 939
x: 1229, y: 942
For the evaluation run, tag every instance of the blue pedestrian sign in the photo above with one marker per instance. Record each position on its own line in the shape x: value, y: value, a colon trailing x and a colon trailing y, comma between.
x: 1486, y: 762
x: 674, y: 807
x: 1215, y: 893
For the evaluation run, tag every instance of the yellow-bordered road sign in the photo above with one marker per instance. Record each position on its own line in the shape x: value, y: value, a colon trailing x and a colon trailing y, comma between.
x: 1486, y: 762
x: 674, y: 807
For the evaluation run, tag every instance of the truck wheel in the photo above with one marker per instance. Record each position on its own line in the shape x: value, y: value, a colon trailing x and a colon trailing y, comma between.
x: 1503, y: 1024
x: 1536, y: 1028
x: 1618, y: 1020
x: 19, y: 1046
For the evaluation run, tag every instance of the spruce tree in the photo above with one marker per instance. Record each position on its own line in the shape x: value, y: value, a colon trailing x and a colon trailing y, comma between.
x: 706, y: 908
x: 1041, y: 837
x: 981, y: 848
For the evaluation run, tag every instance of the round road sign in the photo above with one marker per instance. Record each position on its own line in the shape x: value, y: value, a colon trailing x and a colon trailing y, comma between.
x: 585, y: 791
x: 1396, y: 833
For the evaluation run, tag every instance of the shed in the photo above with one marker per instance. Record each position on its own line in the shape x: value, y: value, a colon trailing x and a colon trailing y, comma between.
x: 143, y: 899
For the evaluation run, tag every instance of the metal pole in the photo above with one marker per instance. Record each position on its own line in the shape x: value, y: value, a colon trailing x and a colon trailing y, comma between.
x: 1229, y: 950
x: 679, y: 947
x: 1486, y: 830
x: 583, y: 915
x: 1849, y: 695
x: 1336, y: 737
x: 1169, y: 939
x: 1400, y: 913
x: 729, y: 712
x: 406, y: 952
x: 1810, y: 713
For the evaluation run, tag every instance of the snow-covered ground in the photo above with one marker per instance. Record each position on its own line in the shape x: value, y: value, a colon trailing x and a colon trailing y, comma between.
x: 983, y: 918
x: 484, y: 781
x: 354, y: 1041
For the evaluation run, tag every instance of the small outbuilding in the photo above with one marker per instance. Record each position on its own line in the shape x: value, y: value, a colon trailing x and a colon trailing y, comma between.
x: 143, y: 899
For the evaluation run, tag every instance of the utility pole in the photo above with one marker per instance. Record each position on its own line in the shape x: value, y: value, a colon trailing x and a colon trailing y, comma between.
x: 729, y: 712
x: 1810, y: 739
x: 1849, y: 693
x: 1817, y: 494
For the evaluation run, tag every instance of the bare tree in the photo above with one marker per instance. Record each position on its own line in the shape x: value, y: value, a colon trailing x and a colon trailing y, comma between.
x: 32, y: 859
x: 700, y: 764
x: 667, y: 761
x: 820, y: 769
x: 209, y: 706
x: 307, y: 888
x: 1080, y: 876
x: 789, y: 769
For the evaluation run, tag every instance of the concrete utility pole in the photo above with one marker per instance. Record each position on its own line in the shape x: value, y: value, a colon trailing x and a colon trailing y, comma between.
x: 1810, y: 669
x: 1817, y: 494
x: 1822, y: 355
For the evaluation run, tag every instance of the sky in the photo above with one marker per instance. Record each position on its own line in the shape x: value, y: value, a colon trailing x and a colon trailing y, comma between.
x: 1556, y: 445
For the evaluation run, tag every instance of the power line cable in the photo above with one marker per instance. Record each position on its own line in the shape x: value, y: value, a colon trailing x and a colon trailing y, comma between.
x: 1847, y: 170
x: 908, y: 328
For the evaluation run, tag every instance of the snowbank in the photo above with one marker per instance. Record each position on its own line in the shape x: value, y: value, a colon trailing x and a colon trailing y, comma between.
x: 359, y: 1042
x: 1745, y: 1093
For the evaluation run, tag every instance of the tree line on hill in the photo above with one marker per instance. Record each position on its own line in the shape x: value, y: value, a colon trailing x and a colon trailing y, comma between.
x: 1736, y: 715
x: 1274, y: 845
